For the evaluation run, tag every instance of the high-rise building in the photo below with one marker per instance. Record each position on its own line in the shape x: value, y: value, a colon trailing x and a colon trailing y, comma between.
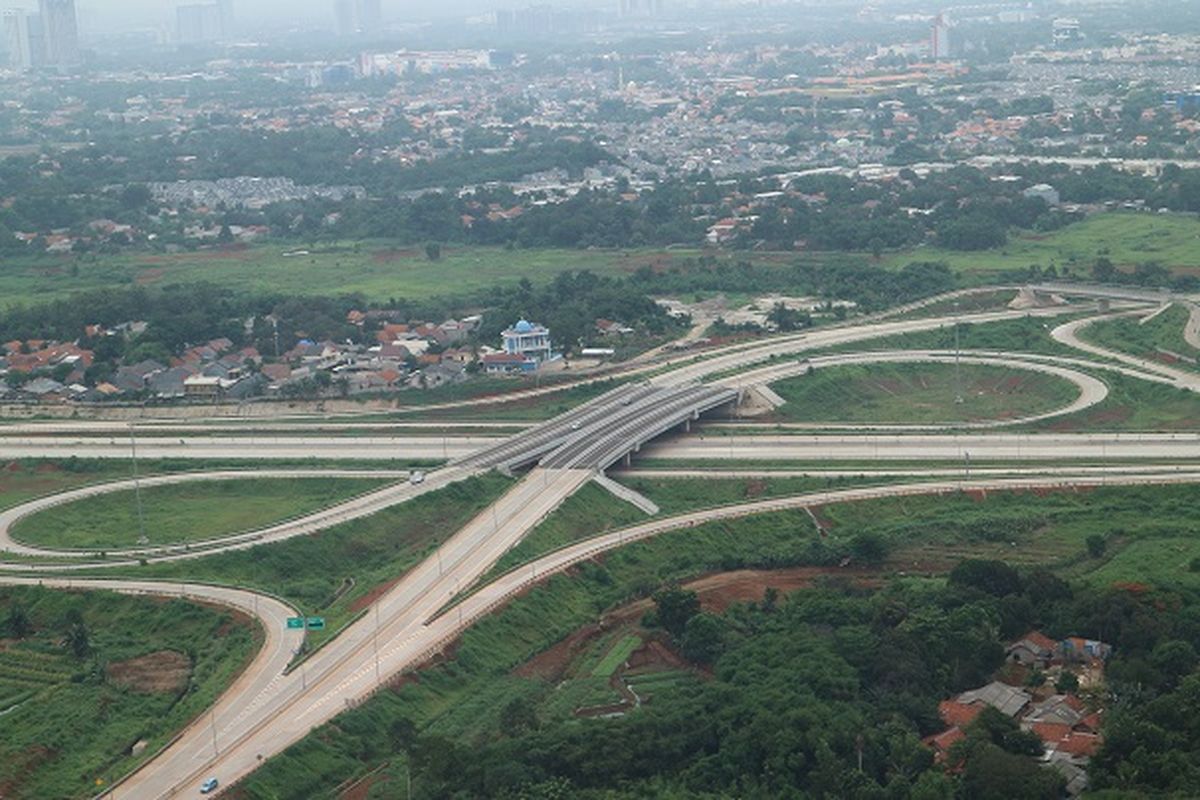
x: 197, y: 22
x: 61, y: 32
x: 16, y: 39
x: 357, y: 16
x: 227, y: 18
x: 939, y: 44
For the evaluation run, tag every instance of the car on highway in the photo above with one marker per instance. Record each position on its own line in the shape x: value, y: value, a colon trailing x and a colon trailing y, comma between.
x: 209, y: 786
x: 416, y: 478
x: 575, y: 426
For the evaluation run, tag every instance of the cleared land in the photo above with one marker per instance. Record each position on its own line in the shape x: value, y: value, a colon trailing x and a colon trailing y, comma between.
x: 69, y: 721
x: 184, y: 513
x: 919, y: 394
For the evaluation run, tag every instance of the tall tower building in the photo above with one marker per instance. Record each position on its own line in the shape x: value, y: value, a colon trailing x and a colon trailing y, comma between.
x: 16, y: 39
x: 61, y: 32
x: 939, y: 44
x: 357, y: 16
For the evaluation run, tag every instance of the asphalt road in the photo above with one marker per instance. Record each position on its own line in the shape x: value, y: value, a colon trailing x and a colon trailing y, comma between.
x: 932, y: 447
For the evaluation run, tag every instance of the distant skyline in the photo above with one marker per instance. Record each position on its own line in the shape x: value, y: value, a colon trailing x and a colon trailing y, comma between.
x: 113, y: 14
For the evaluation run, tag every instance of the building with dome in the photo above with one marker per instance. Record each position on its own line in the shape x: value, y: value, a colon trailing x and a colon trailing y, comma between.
x: 526, y: 347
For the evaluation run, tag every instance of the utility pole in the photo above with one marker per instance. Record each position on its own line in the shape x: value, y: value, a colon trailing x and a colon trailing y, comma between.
x: 958, y: 391
x: 137, y: 490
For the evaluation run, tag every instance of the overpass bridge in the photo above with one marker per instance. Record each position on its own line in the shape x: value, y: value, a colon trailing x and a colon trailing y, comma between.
x: 601, y: 432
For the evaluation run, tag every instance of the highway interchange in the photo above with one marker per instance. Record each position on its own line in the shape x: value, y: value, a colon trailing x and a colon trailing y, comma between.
x: 266, y: 709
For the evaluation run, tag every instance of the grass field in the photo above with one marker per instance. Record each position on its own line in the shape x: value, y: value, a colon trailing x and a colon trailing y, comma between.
x: 376, y: 269
x: 1126, y: 239
x: 1133, y: 405
x: 1164, y: 332
x: 335, y: 573
x: 184, y: 513
x: 381, y: 270
x: 920, y: 393
x: 69, y: 723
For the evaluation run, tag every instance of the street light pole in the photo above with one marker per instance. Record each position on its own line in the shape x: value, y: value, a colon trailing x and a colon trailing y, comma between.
x: 958, y: 392
x: 137, y: 490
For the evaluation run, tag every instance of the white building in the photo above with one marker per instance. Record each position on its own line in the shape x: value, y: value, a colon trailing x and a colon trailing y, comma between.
x: 529, y: 340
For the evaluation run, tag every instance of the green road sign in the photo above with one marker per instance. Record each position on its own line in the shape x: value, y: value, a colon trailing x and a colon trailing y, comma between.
x: 316, y: 623
x: 295, y: 622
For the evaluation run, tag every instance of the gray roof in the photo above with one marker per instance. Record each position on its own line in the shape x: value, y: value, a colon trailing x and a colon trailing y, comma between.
x: 1008, y: 700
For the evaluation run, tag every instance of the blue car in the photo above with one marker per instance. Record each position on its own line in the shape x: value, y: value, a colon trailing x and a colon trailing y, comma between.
x: 209, y: 786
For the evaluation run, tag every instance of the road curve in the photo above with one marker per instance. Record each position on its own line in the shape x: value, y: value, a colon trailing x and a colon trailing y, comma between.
x: 1069, y: 334
x: 1092, y: 391
x: 11, y: 516
x: 355, y: 508
x: 279, y: 646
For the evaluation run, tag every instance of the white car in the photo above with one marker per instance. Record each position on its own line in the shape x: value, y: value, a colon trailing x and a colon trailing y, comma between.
x: 209, y: 786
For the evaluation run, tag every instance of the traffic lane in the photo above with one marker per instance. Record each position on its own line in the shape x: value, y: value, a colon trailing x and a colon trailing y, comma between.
x: 256, y: 448
x: 930, y: 447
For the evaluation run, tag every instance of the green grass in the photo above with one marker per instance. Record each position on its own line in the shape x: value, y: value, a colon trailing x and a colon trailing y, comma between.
x: 184, y: 513
x: 616, y: 656
x: 1127, y: 335
x: 1021, y: 335
x: 376, y: 269
x: 919, y: 394
x: 1125, y: 238
x: 76, y: 725
x: 1133, y: 405
x: 331, y: 573
x: 592, y: 510
x: 381, y: 270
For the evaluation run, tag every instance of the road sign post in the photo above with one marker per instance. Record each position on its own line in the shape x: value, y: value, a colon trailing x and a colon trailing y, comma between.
x: 295, y: 623
x: 316, y: 623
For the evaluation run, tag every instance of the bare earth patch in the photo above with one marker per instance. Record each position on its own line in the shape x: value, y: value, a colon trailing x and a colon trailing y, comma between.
x: 163, y: 672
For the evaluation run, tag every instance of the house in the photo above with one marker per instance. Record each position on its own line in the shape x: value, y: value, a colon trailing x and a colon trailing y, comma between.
x: 606, y: 327
x: 1075, y: 650
x: 508, y: 364
x: 1034, y: 649
x: 1008, y: 700
x: 528, y: 340
x: 203, y: 387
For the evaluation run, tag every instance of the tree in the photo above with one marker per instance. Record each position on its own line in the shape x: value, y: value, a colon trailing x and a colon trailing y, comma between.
x: 79, y: 640
x: 993, y: 577
x: 1103, y: 270
x: 703, y: 638
x: 868, y: 548
x: 18, y: 623
x: 1096, y: 545
x: 1067, y: 682
x: 225, y: 235
x: 675, y: 608
x: 433, y: 251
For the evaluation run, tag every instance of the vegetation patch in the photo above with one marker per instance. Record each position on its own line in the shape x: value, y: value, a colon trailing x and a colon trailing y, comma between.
x: 920, y: 394
x: 184, y: 513
x: 1160, y: 339
x: 86, y: 676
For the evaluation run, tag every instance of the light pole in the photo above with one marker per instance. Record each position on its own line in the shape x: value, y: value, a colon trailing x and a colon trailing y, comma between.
x: 137, y: 490
x: 958, y: 392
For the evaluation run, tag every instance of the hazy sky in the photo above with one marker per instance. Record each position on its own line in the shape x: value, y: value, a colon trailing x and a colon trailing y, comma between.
x: 125, y: 12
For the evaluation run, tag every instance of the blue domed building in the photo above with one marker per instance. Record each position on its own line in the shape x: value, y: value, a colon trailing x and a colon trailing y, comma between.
x: 526, y: 347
